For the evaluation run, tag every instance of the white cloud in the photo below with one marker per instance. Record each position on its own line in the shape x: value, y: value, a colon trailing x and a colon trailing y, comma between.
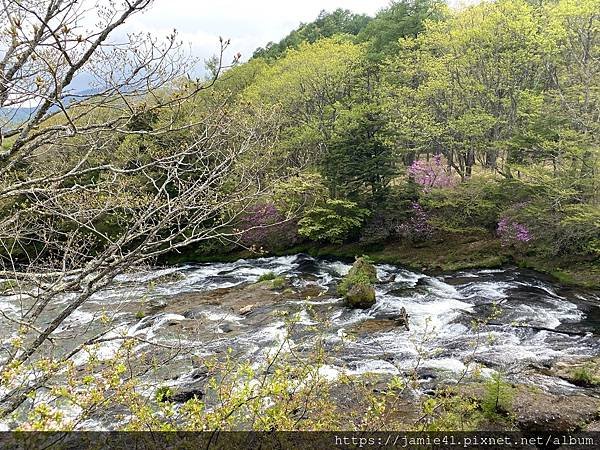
x: 248, y: 23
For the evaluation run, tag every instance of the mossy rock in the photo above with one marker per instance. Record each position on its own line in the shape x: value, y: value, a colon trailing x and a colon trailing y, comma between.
x: 362, y: 272
x: 585, y: 373
x: 361, y: 296
x: 269, y: 276
x: 363, y: 268
x: 357, y: 286
x: 278, y: 283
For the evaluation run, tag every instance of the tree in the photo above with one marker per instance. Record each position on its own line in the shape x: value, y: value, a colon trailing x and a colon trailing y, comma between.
x: 94, y: 184
x: 332, y: 221
x: 574, y: 65
x: 402, y: 19
x: 340, y: 21
x: 358, y: 158
x: 466, y: 85
x: 308, y: 88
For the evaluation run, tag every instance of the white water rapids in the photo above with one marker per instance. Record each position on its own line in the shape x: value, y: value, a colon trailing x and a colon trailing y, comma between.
x: 539, y: 321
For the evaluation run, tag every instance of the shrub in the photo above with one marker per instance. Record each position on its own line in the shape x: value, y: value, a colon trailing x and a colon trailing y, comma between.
x: 163, y: 394
x: 471, y: 206
x: 278, y: 283
x: 298, y: 193
x: 263, y: 226
x: 450, y: 412
x: 333, y: 221
x: 395, y: 210
x: 498, y: 397
x: 580, y: 228
x: 269, y: 276
x: 558, y: 230
x: 431, y: 174
x: 512, y: 233
x: 417, y: 228
x: 585, y: 375
x: 377, y: 229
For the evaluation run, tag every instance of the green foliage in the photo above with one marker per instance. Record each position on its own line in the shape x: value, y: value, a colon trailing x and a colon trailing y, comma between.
x: 401, y: 19
x: 301, y: 80
x: 440, y: 94
x: 163, y: 394
x: 507, y: 91
x: 235, y: 80
x: 475, y: 205
x: 297, y: 193
x: 350, y: 280
x: 450, y: 412
x: 332, y: 221
x: 560, y: 230
x: 357, y: 285
x: 587, y: 375
x: 498, y: 397
x: 278, y: 283
x: 362, y: 272
x: 269, y: 276
x: 307, y: 88
x: 358, y: 158
x: 340, y: 21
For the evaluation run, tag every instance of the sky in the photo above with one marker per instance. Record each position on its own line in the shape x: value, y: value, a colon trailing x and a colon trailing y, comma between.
x: 248, y: 23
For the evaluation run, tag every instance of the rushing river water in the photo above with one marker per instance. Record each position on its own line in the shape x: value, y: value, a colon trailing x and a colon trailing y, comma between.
x: 538, y: 321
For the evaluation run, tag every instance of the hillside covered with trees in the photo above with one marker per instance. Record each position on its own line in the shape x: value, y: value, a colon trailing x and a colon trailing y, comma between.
x: 174, y: 250
x: 470, y: 132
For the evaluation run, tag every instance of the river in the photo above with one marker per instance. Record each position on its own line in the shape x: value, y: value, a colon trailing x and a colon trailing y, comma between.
x: 208, y: 308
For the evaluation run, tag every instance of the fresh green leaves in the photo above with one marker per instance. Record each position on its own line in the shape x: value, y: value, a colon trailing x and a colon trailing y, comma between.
x: 333, y: 221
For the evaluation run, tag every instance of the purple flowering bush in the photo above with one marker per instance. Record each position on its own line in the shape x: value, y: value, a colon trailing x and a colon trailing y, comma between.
x: 418, y: 227
x: 512, y: 232
x: 264, y: 228
x: 431, y: 174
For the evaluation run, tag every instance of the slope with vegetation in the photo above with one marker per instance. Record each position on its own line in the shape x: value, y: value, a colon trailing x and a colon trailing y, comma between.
x: 425, y: 136
x: 434, y: 137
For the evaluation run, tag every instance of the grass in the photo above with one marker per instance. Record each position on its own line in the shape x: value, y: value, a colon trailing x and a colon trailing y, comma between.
x: 498, y: 398
x: 569, y: 271
x: 269, y: 276
x: 586, y: 375
x: 8, y: 285
x: 278, y: 283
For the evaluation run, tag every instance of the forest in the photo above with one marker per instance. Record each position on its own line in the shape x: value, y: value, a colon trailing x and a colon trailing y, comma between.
x: 428, y: 145
x: 470, y: 133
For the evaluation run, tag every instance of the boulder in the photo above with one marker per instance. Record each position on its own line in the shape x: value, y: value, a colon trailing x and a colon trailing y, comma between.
x: 357, y: 286
x: 186, y: 394
x: 544, y: 412
x: 361, y: 296
x: 533, y: 410
x: 584, y: 373
x: 364, y: 269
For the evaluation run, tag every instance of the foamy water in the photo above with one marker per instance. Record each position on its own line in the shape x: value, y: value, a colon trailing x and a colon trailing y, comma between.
x: 520, y: 317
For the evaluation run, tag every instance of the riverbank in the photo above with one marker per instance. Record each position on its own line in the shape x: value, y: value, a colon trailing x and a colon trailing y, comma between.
x: 541, y: 343
x: 449, y: 253
x: 540, y: 338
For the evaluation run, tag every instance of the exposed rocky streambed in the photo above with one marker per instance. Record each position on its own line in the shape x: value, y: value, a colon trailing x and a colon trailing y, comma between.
x: 540, y: 332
